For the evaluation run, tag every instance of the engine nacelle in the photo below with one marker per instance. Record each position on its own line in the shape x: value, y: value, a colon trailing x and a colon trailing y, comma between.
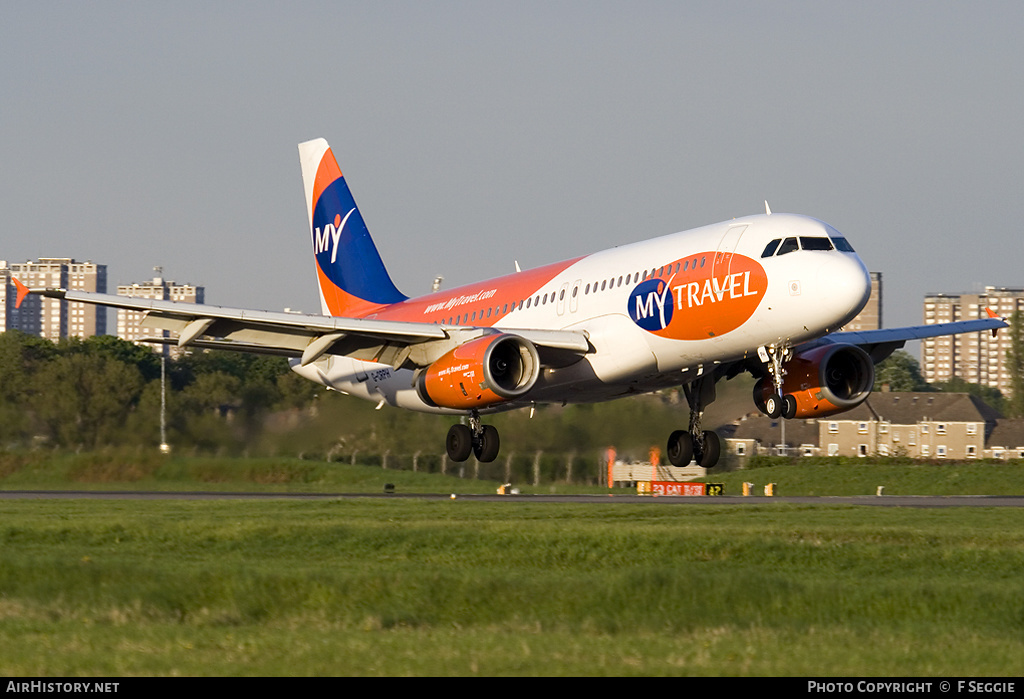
x: 488, y: 370
x: 825, y: 380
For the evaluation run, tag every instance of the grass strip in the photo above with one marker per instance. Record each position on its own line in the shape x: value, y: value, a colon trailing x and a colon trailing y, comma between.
x: 383, y: 587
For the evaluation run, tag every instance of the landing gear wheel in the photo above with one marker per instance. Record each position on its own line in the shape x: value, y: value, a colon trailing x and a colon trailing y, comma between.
x: 788, y: 406
x: 712, y: 450
x: 486, y: 446
x: 459, y: 443
x: 772, y: 407
x: 680, y: 448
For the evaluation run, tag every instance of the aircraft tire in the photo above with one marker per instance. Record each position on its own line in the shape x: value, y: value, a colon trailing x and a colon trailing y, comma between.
x: 459, y: 443
x: 712, y: 450
x: 788, y: 406
x: 680, y: 448
x: 487, y: 445
x: 772, y: 407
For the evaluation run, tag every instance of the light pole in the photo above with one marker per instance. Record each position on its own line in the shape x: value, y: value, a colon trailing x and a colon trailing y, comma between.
x: 165, y: 448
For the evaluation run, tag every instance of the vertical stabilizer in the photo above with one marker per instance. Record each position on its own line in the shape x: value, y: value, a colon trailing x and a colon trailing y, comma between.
x: 350, y: 272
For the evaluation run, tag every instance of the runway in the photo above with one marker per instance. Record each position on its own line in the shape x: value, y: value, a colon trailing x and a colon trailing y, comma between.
x: 918, y: 501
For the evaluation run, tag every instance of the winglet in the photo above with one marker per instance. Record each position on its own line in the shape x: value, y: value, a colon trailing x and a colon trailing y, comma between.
x: 22, y: 292
x: 993, y: 314
x: 767, y: 209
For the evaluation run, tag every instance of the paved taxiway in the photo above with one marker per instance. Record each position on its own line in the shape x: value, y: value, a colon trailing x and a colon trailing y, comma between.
x: 870, y: 500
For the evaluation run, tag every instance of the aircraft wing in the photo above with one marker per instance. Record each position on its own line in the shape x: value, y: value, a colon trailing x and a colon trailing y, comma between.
x: 310, y: 337
x: 879, y: 344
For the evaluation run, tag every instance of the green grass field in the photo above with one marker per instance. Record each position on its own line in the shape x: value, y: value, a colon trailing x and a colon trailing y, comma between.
x: 456, y: 587
x: 402, y: 587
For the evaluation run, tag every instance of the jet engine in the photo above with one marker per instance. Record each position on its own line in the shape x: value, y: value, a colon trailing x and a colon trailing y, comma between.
x: 822, y: 381
x: 488, y: 370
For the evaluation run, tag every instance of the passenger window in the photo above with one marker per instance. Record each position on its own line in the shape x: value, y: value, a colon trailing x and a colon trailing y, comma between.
x: 620, y: 281
x: 604, y: 284
x: 788, y: 245
x: 769, y: 249
x: 815, y: 243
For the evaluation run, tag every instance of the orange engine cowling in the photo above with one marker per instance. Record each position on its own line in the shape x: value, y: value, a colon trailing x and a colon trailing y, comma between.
x: 825, y: 380
x: 488, y: 370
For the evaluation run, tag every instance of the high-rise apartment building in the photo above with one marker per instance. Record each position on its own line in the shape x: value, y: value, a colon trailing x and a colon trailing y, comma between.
x: 129, y: 321
x: 49, y: 317
x: 870, y: 317
x: 974, y: 357
x: 8, y: 295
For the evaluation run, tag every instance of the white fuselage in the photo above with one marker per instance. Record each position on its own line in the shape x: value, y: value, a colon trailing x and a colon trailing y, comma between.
x: 657, y: 313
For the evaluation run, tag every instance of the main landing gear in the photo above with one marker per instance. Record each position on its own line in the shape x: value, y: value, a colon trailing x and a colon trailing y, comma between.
x: 695, y: 444
x: 479, y: 440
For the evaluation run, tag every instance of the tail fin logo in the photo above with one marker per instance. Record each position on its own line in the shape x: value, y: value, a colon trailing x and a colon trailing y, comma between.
x: 327, y: 238
x: 350, y: 272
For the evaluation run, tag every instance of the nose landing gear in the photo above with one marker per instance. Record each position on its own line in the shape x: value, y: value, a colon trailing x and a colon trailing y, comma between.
x: 779, y: 403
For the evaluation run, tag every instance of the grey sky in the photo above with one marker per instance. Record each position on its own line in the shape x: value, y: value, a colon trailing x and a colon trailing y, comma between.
x: 474, y: 134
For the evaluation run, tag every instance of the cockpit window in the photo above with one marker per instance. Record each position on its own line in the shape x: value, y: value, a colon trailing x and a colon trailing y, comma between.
x: 788, y: 245
x: 770, y: 249
x: 815, y: 243
x: 842, y: 245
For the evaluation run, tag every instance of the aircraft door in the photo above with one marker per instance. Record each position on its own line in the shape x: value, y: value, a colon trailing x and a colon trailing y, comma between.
x: 726, y: 246
x: 562, y: 293
x: 574, y: 296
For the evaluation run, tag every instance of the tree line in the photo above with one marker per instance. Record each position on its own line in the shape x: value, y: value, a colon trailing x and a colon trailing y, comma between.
x: 104, y: 391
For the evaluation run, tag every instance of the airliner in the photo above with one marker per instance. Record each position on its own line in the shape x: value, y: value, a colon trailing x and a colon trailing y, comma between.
x: 766, y: 294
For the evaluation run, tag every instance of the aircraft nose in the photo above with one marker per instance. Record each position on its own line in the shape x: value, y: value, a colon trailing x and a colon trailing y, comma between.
x: 846, y: 285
